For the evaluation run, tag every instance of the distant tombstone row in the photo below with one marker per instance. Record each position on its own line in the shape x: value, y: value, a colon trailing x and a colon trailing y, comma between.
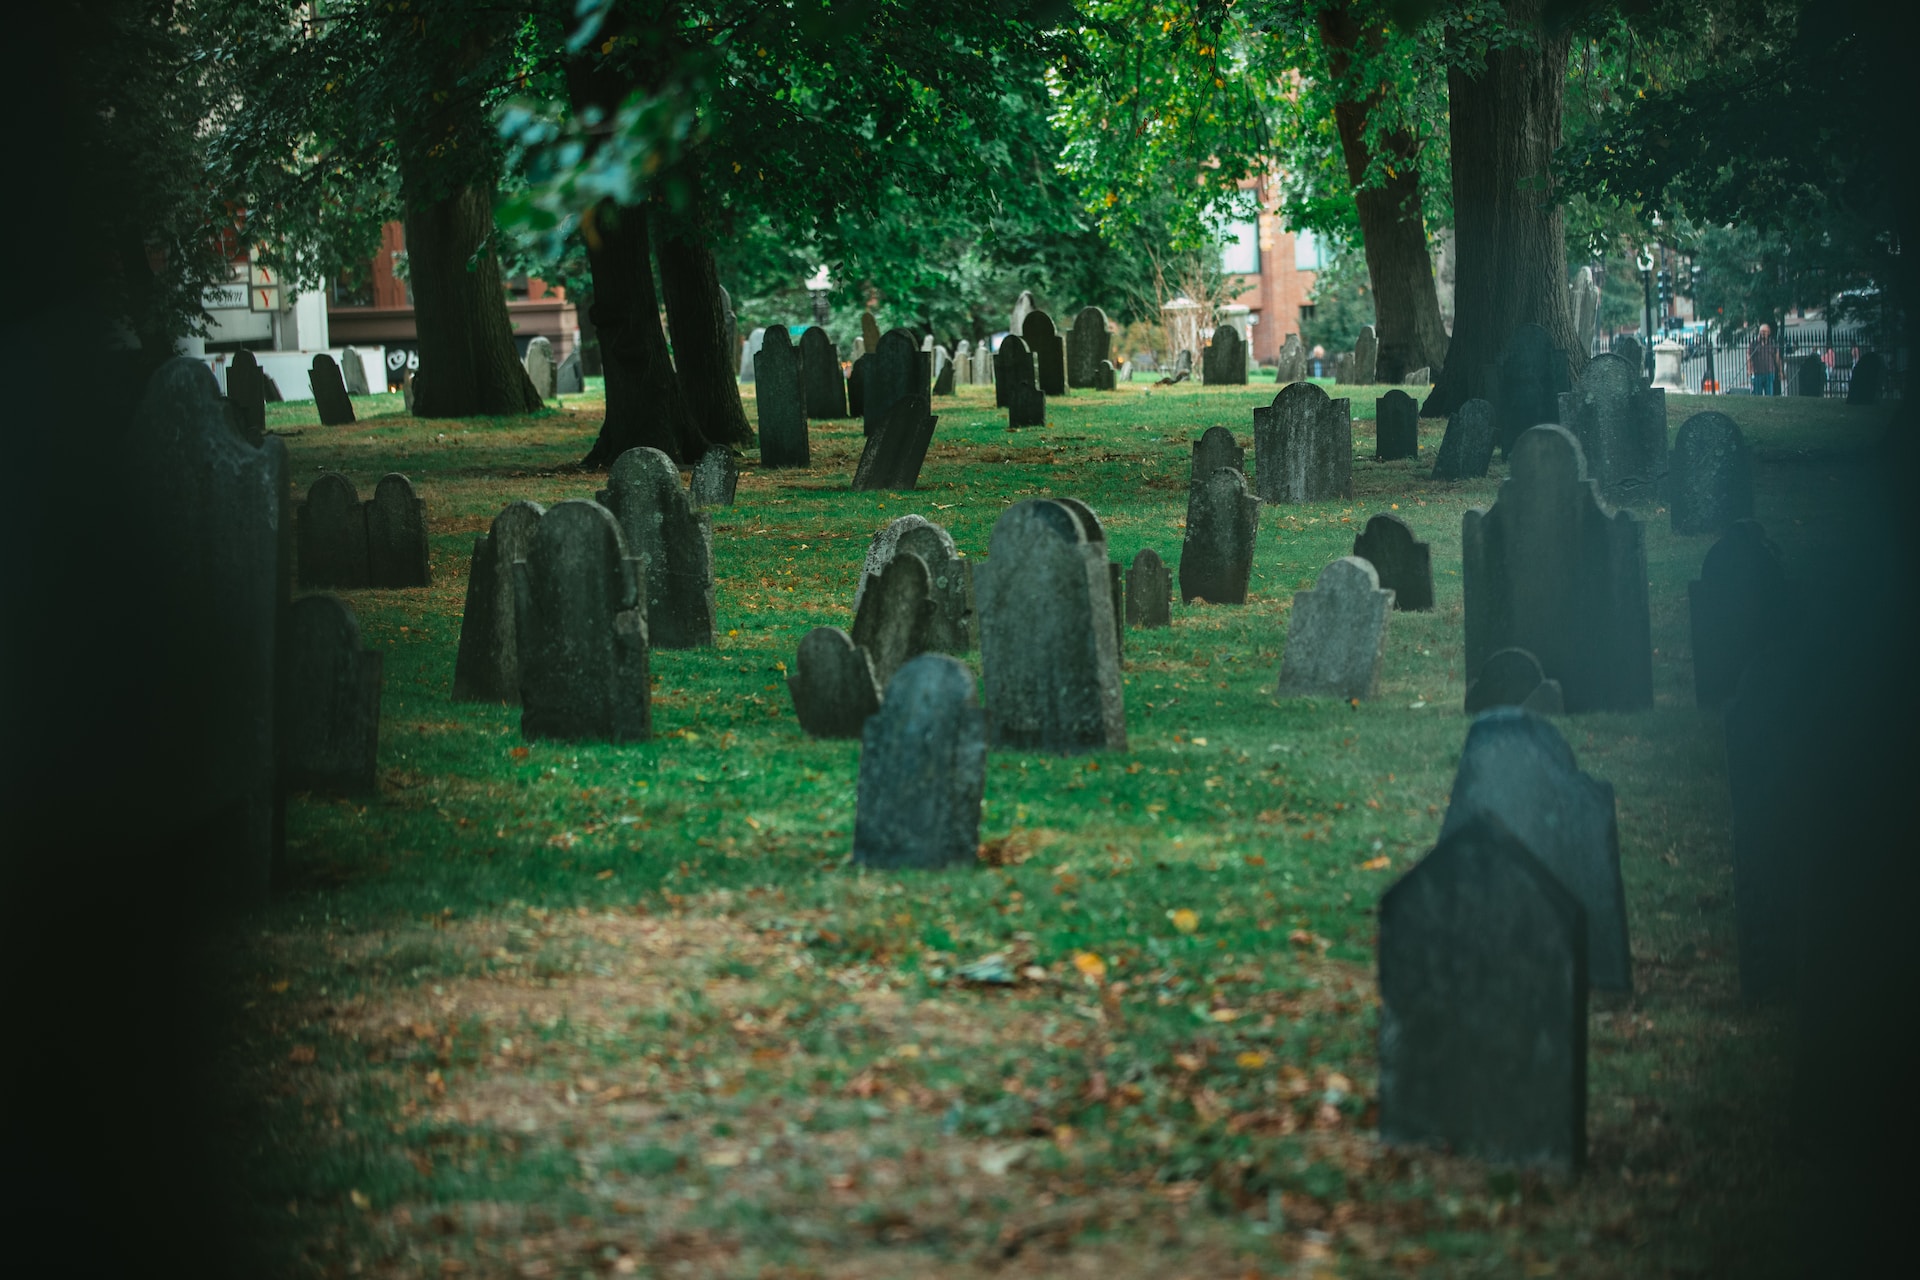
x: 329, y: 392
x: 540, y: 367
x: 1402, y: 563
x: 486, y: 667
x: 1016, y: 386
x: 1710, y: 475
x: 1358, y: 366
x: 1621, y: 425
x: 897, y: 446
x: 1223, y: 524
x: 983, y: 366
x: 1303, y: 446
x: 670, y: 541
x: 781, y: 400
x: 1337, y: 634
x: 329, y: 708
x: 348, y: 544
x: 1396, y: 427
x: 1089, y: 345
x: 1049, y: 352
x: 1466, y: 451
x: 1223, y: 363
x: 580, y: 628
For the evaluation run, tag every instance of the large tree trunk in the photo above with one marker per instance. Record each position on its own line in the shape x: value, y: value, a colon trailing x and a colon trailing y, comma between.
x: 1511, y: 267
x: 1392, y: 228
x: 697, y: 318
x: 645, y: 407
x: 468, y: 364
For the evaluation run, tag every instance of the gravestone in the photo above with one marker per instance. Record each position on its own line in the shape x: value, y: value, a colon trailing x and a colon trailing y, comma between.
x: 1106, y: 378
x: 1421, y: 377
x: 1014, y: 385
x: 1583, y: 299
x: 832, y: 683
x: 1516, y: 767
x: 1809, y: 375
x: 1337, y: 634
x: 1483, y: 1004
x: 1303, y: 446
x: 1216, y: 448
x: 1224, y: 362
x: 1710, y: 475
x: 750, y: 349
x: 1048, y: 650
x: 1621, y: 425
x: 670, y: 540
x: 893, y: 622
x: 983, y: 364
x: 1527, y: 381
x: 580, y: 627
x: 1630, y: 350
x: 1403, y: 564
x: 1149, y: 591
x: 329, y: 392
x: 826, y: 386
x: 1216, y: 556
x: 1022, y: 305
x: 487, y: 666
x: 896, y: 371
x: 1088, y: 345
x: 1183, y: 365
x: 1396, y: 427
x: 1049, y: 352
x: 570, y: 379
x: 715, y: 477
x: 407, y: 381
x: 1466, y: 451
x: 869, y: 332
x: 856, y: 387
x: 539, y: 366
x: 329, y: 712
x: 1863, y: 384
x: 923, y: 763
x: 1513, y: 678
x: 1366, y: 356
x: 332, y: 535
x: 353, y: 372
x: 894, y: 454
x: 1292, y: 363
x: 247, y: 393
x: 1739, y: 604
x: 1552, y: 570
x: 781, y: 401
x: 1343, y: 368
x: 396, y: 535
x: 943, y: 367
x: 963, y: 363
x: 951, y: 629
x: 729, y: 319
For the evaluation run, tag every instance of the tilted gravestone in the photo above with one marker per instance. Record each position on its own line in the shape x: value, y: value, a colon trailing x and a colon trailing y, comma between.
x: 1740, y: 603
x: 1518, y: 768
x: 983, y: 365
x: 943, y: 367
x: 1513, y: 678
x: 672, y: 542
x: 1088, y: 344
x: 832, y: 683
x: 1216, y: 556
x: 539, y: 366
x: 1710, y: 475
x: 247, y: 393
x: 580, y: 625
x: 894, y: 619
x: 1483, y: 1004
x: 1015, y: 386
x: 1621, y: 425
x: 1303, y: 446
x: 748, y: 350
x: 951, y: 628
x: 1291, y: 365
x: 895, y: 452
x: 869, y: 332
x: 329, y: 713
x: 1552, y: 570
x: 1864, y: 383
x: 715, y: 478
x: 1366, y: 356
x: 1224, y: 361
x: 923, y: 763
x: 1337, y: 634
x: 1049, y: 352
x: 826, y: 386
x: 396, y: 535
x: 487, y: 666
x: 1048, y: 650
x: 1396, y: 427
x: 896, y: 371
x: 1466, y: 451
x: 570, y: 379
x: 332, y: 537
x: 781, y: 401
x: 1404, y: 565
x: 1526, y: 382
x: 1216, y: 448
x: 353, y: 372
x: 329, y: 392
x: 1149, y: 591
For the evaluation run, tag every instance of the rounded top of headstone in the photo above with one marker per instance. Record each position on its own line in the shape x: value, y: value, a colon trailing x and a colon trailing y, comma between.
x: 333, y: 487
x: 1014, y: 345
x: 1224, y: 481
x: 1394, y: 396
x: 324, y: 620
x: 927, y: 688
x: 324, y: 361
x: 1607, y: 374
x: 1547, y: 454
x: 576, y: 518
x: 1712, y: 424
x: 1506, y: 679
x: 1506, y: 729
x: 1019, y: 524
x: 903, y: 339
x: 773, y: 335
x: 1348, y: 573
x: 243, y: 357
x: 1385, y: 524
x: 1091, y: 316
x: 539, y: 340
x: 643, y: 465
x: 1090, y: 524
x: 885, y: 544
x: 823, y: 644
x: 393, y: 487
x: 1038, y: 324
x: 1474, y: 408
x: 1309, y: 392
x: 516, y: 522
x: 1149, y: 557
x: 1217, y: 436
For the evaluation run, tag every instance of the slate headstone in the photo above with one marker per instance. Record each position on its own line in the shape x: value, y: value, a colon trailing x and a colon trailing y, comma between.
x: 1466, y: 451
x: 1630, y: 350
x: 943, y: 370
x: 1366, y: 356
x: 329, y: 713
x: 894, y: 620
x: 1149, y: 591
x: 715, y: 477
x: 1403, y: 564
x: 833, y: 686
x: 570, y: 379
x: 1513, y: 678
x: 396, y: 535
x: 826, y: 386
x: 1216, y: 448
x: 580, y: 626
x: 856, y: 387
x: 1527, y: 382
x: 329, y: 392
x: 1396, y: 427
x: 353, y: 372
x: 1224, y: 362
x: 951, y: 629
x: 1216, y: 556
x: 1864, y: 383
x: 332, y: 535
x: 895, y: 453
x: 1088, y: 343
x: 896, y: 371
x: 748, y: 350
x: 1808, y: 374
x: 1303, y: 446
x: 1049, y: 352
x: 1105, y: 378
x: 672, y: 542
x: 1015, y: 387
x: 1739, y: 604
x: 539, y: 366
x: 1710, y: 475
x: 487, y: 666
x: 1337, y: 634
x: 923, y: 761
x: 1621, y: 425
x: 1292, y: 363
x: 781, y: 400
x: 247, y: 393
x: 983, y: 365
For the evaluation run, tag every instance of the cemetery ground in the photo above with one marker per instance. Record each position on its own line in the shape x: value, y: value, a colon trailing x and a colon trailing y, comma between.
x: 565, y: 1009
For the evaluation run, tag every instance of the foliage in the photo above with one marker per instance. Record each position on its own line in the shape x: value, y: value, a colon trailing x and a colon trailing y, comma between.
x: 1342, y: 304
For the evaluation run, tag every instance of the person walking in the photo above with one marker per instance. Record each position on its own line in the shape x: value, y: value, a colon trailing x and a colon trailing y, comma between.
x: 1763, y: 363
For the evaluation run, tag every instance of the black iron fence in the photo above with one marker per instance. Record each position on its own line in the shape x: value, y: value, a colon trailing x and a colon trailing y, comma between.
x: 1719, y: 360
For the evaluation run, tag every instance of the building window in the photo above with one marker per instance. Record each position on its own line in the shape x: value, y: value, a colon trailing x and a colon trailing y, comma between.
x: 353, y: 287
x: 1309, y: 254
x: 1240, y: 253
x: 1306, y: 311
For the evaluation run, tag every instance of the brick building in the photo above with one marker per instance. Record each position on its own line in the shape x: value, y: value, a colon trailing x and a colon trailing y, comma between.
x: 1270, y: 271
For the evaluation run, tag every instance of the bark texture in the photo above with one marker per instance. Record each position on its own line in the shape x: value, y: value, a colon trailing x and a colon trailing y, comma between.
x: 645, y: 407
x: 702, y: 352
x: 467, y: 358
x: 1511, y: 252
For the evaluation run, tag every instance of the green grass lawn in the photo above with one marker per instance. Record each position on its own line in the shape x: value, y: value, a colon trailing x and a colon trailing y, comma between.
x: 586, y: 1010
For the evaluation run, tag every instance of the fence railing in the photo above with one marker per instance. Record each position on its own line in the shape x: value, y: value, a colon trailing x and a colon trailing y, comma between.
x: 1724, y: 362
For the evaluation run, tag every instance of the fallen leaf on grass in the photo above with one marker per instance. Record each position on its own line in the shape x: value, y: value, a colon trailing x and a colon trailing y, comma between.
x: 1380, y: 863
x: 1090, y: 964
x: 303, y: 1054
x: 1185, y: 919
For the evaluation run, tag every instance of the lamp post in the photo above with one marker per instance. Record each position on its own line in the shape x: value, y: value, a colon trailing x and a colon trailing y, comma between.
x: 817, y: 289
x: 1646, y: 307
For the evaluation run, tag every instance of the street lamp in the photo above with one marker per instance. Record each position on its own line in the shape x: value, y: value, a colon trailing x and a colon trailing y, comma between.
x: 1646, y: 311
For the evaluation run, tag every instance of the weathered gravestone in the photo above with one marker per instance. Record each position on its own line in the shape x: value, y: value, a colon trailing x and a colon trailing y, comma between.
x: 539, y: 366
x: 923, y: 770
x: 943, y: 368
x: 1396, y: 427
x: 353, y: 372
x: 1022, y: 305
x: 1630, y: 350
x: 896, y: 371
x: 1303, y: 446
x: 833, y: 685
x: 983, y: 364
x: 671, y: 541
x: 1483, y: 1003
x: 1809, y: 375
x: 1421, y: 377
x: 1216, y: 448
x: 1048, y: 650
x: 1466, y: 451
x: 208, y: 514
x: 1216, y: 556
x: 332, y: 537
x: 329, y: 392
x: 950, y: 630
x: 1864, y: 383
x: 1088, y: 344
x: 1366, y: 356
x: 781, y: 400
x: 1738, y: 605
x: 407, y: 381
x: 396, y: 535
x: 1710, y: 476
x: 893, y: 622
x: 570, y: 379
x: 1292, y: 363
x: 869, y: 332
x: 1526, y: 383
x: 1106, y: 378
x: 1552, y: 570
x: 750, y: 349
x: 329, y: 713
x: 1224, y: 362
x: 1149, y: 591
x: 1621, y: 425
x: 856, y: 386
x: 580, y: 626
x: 247, y: 393
x: 1096, y: 533
x: 894, y: 453
x: 715, y: 478
x: 1343, y: 368
x: 1182, y: 366
x: 487, y: 666
x: 1513, y: 678
x: 826, y: 386
x: 1014, y: 385
x: 1518, y: 768
x: 1583, y: 303
x: 1049, y: 352
x: 1403, y: 564
x: 1337, y: 634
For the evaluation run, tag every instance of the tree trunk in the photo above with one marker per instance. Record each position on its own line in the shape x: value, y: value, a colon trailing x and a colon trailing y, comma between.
x: 468, y: 364
x: 645, y: 407
x: 1511, y: 267
x: 1393, y: 229
x: 697, y: 318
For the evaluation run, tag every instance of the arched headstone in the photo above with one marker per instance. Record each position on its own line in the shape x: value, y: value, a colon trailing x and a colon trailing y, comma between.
x: 673, y: 543
x: 486, y: 667
x: 581, y: 631
x: 923, y: 761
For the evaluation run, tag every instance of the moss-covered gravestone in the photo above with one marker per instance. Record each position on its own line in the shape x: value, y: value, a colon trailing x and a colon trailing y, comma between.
x: 581, y: 631
x: 833, y: 686
x: 923, y: 762
x: 330, y: 392
x: 673, y: 543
